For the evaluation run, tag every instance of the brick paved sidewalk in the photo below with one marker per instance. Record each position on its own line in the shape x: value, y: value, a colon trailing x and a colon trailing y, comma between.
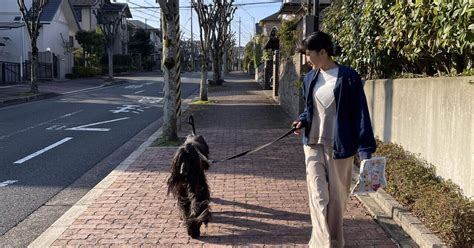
x: 258, y: 200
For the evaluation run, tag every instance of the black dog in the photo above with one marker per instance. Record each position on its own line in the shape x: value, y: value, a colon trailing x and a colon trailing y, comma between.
x: 188, y: 182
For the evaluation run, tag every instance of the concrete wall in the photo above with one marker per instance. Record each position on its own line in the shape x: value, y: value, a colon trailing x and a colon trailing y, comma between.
x: 432, y: 117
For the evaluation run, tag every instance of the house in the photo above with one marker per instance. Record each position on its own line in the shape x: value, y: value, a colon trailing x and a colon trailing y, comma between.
x: 86, y: 11
x: 155, y: 39
x: 55, y: 42
x: 267, y: 23
x: 117, y: 10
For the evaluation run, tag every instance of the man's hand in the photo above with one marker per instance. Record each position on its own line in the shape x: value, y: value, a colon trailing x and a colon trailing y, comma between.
x: 298, y: 125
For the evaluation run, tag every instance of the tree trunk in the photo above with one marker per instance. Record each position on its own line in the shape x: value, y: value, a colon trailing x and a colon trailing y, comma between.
x: 84, y: 56
x: 111, y: 63
x: 203, y: 87
x: 34, y: 67
x: 170, y: 75
x: 224, y: 63
x: 216, y: 68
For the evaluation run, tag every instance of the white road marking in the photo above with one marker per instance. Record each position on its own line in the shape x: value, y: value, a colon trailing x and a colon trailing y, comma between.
x: 82, y: 90
x: 8, y: 182
x: 84, y: 127
x: 149, y: 83
x: 40, y: 124
x: 151, y: 100
x: 43, y: 150
x: 128, y: 108
x: 133, y: 86
x: 138, y: 92
x: 56, y: 127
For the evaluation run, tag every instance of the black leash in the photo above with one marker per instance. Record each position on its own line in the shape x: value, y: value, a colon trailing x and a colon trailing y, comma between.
x: 255, y: 149
x: 210, y: 161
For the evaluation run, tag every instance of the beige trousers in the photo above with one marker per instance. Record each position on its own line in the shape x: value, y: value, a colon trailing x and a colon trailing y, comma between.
x: 328, y: 183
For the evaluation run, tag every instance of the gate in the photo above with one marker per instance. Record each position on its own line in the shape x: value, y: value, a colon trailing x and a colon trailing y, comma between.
x: 10, y: 72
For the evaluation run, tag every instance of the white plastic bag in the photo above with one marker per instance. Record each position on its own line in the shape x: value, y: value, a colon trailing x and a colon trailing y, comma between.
x: 371, y: 175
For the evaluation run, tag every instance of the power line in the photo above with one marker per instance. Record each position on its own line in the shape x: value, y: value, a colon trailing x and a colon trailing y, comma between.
x: 188, y: 7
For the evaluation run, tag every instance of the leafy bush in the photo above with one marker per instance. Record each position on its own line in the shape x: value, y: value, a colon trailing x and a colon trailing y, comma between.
x: 288, y: 35
x: 385, y: 38
x: 439, y: 204
x: 80, y: 71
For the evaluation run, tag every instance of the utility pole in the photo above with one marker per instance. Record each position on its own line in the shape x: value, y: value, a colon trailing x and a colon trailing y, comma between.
x: 238, y: 52
x: 192, y: 42
x: 316, y: 15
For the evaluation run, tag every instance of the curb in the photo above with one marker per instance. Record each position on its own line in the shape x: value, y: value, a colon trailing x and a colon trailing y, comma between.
x: 410, y: 223
x: 37, y: 97
x: 47, y: 238
x: 393, y: 217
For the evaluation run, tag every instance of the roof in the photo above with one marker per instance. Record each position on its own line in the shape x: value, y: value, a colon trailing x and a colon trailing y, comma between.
x: 50, y: 10
x: 140, y: 25
x: 116, y: 7
x: 10, y: 25
x: 84, y: 2
x: 290, y: 8
x: 271, y: 18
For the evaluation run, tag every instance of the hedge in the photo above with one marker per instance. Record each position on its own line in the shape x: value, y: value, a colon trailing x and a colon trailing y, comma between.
x: 387, y: 38
x: 438, y: 203
x: 80, y: 71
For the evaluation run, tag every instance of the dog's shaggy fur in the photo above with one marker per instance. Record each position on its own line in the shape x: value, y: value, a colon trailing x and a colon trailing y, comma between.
x: 189, y: 185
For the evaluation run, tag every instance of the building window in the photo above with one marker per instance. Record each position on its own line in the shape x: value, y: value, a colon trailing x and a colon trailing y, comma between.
x: 78, y: 14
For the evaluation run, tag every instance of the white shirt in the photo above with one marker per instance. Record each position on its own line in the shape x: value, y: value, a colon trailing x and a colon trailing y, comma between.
x: 325, y: 84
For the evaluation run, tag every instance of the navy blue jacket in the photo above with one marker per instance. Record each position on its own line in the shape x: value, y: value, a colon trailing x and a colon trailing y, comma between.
x: 353, y: 131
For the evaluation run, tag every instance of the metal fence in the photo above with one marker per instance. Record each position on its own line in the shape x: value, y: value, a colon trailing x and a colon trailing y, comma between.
x: 10, y: 72
x: 44, y: 70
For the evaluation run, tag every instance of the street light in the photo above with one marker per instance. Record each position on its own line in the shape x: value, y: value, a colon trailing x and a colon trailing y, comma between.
x: 51, y: 57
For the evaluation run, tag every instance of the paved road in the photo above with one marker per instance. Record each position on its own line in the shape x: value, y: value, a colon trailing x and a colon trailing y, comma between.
x: 47, y: 145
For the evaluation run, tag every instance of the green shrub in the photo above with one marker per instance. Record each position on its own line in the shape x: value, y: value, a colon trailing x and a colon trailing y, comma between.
x: 80, y: 71
x: 385, y: 38
x: 288, y: 35
x: 439, y: 204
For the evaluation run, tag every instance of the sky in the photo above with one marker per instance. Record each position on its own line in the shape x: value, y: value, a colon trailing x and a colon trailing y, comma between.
x: 248, y: 11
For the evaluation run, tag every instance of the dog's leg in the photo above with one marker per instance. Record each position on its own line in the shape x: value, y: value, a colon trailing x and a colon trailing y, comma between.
x: 184, y: 204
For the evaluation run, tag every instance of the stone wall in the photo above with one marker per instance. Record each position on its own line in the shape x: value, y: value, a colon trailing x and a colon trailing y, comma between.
x: 290, y: 94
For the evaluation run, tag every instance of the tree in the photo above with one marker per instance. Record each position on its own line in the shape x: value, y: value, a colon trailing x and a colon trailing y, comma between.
x: 207, y: 19
x: 141, y: 43
x: 91, y: 43
x: 31, y: 17
x: 171, y: 67
x: 109, y: 20
x: 220, y: 35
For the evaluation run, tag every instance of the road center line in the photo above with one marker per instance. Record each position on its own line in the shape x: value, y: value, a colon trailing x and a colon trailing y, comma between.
x: 42, y: 150
x: 40, y: 124
x: 138, y: 92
